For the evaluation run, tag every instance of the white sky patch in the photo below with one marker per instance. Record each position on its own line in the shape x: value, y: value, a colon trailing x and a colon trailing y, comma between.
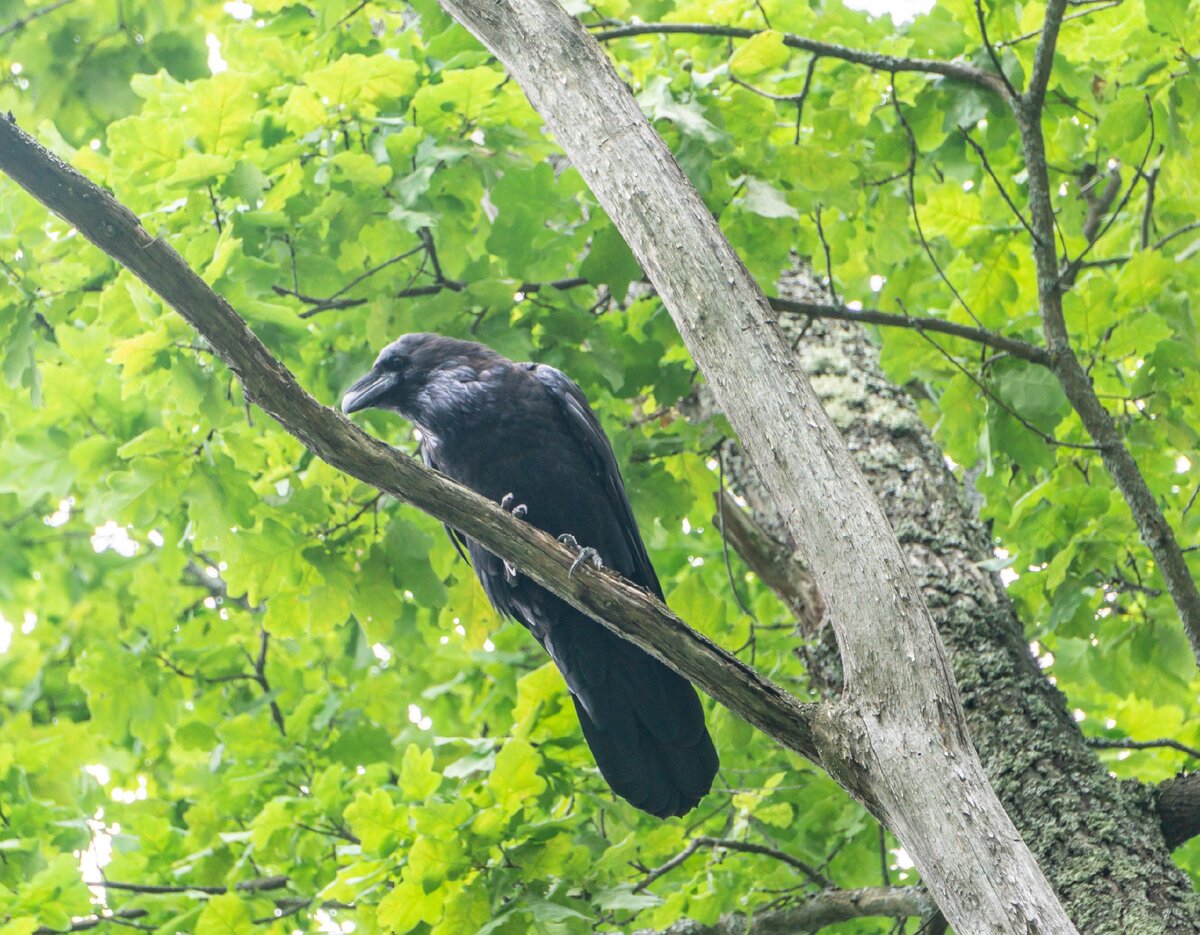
x: 1182, y: 465
x: 1007, y: 575
x: 155, y: 537
x: 419, y: 718
x: 112, y: 536
x: 331, y: 926
x: 99, y: 772
x: 62, y: 514
x: 96, y: 856
x: 382, y: 653
x: 6, y: 634
x: 489, y: 646
x: 129, y: 796
x: 901, y: 10
x: 29, y: 622
x: 903, y: 861
x: 216, y: 64
x: 239, y: 10
x: 877, y: 282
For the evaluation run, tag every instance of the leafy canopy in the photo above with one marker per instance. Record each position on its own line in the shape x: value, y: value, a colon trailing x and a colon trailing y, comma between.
x: 343, y: 173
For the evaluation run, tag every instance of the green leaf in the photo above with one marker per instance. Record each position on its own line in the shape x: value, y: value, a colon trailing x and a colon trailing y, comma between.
x: 418, y: 778
x: 762, y: 52
x: 516, y: 779
x: 226, y: 914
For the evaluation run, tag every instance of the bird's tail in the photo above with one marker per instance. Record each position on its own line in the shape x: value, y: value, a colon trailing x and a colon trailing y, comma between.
x: 645, y: 727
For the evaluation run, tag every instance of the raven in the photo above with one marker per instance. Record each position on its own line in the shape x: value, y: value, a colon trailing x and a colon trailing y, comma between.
x: 524, y: 434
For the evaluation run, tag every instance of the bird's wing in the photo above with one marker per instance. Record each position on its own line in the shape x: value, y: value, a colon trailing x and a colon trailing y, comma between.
x: 586, y: 430
x: 429, y: 456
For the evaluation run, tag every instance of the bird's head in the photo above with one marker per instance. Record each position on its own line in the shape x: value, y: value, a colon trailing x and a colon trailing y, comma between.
x: 408, y: 373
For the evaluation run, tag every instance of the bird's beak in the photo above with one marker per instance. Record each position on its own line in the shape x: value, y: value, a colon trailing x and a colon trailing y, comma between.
x: 368, y: 391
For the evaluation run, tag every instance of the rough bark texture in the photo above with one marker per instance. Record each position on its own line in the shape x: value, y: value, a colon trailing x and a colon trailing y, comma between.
x: 1098, y: 840
x: 896, y: 739
x: 1178, y: 804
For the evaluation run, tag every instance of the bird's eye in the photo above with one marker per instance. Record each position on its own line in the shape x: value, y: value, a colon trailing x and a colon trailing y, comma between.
x: 392, y: 364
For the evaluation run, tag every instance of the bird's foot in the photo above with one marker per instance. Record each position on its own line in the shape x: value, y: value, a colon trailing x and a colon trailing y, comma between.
x: 506, y: 503
x: 584, y: 554
x: 519, y: 510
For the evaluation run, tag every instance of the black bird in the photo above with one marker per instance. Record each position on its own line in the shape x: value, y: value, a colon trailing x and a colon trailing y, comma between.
x: 524, y: 434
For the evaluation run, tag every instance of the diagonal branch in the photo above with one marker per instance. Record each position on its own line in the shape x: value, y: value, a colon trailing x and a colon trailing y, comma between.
x: 32, y: 15
x: 1013, y: 346
x: 876, y: 61
x: 732, y: 844
x: 991, y: 49
x: 1148, y: 516
x: 615, y: 602
x: 1177, y: 802
x: 818, y: 911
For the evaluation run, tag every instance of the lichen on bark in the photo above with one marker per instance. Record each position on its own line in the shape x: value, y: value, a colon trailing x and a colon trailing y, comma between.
x: 1098, y: 839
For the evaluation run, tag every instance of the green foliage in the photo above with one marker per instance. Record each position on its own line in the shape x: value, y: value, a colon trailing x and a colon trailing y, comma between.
x: 392, y: 746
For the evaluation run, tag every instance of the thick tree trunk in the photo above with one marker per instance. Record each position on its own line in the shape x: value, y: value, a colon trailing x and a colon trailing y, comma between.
x: 1099, y: 841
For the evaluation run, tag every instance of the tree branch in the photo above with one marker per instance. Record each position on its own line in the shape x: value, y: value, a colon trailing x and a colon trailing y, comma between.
x: 600, y: 593
x: 93, y: 921
x: 32, y: 15
x: 1043, y: 58
x: 261, y: 885
x: 730, y: 844
x: 991, y: 49
x: 1178, y: 804
x: 1014, y: 346
x: 1106, y: 743
x: 874, y: 60
x: 1152, y: 525
x: 826, y: 908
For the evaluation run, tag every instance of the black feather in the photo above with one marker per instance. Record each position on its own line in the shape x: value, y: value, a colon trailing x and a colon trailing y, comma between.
x: 527, y: 429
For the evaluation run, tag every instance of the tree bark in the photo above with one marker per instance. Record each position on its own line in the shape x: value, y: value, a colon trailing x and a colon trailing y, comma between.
x: 1100, y: 841
x: 896, y: 739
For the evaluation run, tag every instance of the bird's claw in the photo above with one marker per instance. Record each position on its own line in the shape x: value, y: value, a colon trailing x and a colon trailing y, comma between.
x: 506, y: 504
x: 584, y: 553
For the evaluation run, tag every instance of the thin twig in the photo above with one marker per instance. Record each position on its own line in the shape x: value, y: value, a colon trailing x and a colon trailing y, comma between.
x: 1103, y: 743
x: 991, y: 49
x: 979, y: 151
x: 873, y: 60
x: 1013, y: 346
x: 729, y: 844
x: 1096, y: 8
x: 32, y: 15
x: 828, y: 259
x: 1148, y: 211
x: 335, y: 301
x: 261, y: 885
x: 752, y: 642
x: 987, y: 391
x: 1072, y: 269
x: 93, y: 921
x: 911, y: 174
